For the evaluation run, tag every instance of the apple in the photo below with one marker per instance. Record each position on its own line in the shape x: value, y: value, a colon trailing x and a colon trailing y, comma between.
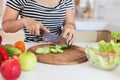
x: 10, y: 69
x: 27, y: 60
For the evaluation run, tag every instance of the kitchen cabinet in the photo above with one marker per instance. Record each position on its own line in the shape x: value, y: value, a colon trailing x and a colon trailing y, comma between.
x: 92, y: 36
x: 86, y: 36
x: 104, y: 35
x: 92, y: 31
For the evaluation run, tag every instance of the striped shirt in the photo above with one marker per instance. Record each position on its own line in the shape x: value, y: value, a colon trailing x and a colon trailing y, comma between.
x: 51, y: 17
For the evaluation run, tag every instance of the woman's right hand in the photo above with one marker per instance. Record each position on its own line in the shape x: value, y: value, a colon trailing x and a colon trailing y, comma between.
x: 34, y: 27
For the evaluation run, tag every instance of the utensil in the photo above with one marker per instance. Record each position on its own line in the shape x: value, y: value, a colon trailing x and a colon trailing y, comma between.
x: 55, y: 39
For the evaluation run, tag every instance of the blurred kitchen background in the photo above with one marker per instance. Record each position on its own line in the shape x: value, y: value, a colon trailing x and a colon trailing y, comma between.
x: 95, y: 20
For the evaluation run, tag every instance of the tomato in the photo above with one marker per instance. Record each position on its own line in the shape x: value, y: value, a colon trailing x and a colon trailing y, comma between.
x: 10, y: 69
x: 20, y: 45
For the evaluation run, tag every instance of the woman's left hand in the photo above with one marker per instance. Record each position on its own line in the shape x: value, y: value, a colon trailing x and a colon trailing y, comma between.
x: 69, y: 32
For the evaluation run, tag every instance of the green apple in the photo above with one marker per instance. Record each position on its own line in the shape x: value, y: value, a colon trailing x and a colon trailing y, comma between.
x: 27, y: 60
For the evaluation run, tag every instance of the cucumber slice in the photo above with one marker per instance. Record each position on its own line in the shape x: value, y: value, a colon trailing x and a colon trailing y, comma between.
x: 46, y: 50
x: 53, y: 50
x: 40, y: 50
x: 59, y: 50
x: 52, y: 46
x: 58, y: 46
x: 63, y: 46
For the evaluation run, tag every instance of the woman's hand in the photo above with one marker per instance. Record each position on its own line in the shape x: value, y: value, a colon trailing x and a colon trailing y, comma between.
x: 34, y: 27
x: 69, y: 32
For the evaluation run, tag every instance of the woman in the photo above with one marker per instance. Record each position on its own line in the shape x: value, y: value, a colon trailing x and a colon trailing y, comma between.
x: 38, y: 16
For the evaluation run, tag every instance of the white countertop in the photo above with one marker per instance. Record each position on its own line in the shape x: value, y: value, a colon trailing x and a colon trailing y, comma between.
x: 84, y: 71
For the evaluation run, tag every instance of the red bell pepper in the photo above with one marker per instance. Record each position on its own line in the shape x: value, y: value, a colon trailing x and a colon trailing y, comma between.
x: 3, y: 54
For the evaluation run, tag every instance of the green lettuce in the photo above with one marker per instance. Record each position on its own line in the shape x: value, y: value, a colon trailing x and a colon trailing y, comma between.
x: 116, y: 35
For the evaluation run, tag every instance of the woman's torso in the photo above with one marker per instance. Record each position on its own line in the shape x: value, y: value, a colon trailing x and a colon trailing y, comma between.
x: 51, y: 17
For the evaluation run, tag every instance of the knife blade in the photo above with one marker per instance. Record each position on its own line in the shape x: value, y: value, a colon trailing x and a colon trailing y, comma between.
x: 55, y: 39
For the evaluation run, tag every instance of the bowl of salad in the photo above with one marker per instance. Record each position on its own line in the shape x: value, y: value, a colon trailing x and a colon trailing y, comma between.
x: 104, y: 55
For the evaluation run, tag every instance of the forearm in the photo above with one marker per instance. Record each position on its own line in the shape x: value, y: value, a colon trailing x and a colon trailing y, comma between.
x: 12, y: 26
x: 70, y: 25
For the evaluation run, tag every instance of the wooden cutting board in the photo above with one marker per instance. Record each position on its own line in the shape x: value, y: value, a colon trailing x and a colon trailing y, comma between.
x: 72, y: 55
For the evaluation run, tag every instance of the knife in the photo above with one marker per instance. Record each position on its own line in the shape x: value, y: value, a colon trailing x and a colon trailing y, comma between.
x: 55, y: 39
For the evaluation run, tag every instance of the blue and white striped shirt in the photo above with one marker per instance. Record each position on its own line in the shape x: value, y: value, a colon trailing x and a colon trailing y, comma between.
x: 51, y: 17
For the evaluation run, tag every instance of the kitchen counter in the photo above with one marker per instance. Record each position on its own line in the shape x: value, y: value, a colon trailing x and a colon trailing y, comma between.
x: 84, y: 71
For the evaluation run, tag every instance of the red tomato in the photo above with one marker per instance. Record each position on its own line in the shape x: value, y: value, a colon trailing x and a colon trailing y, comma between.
x: 10, y: 69
x: 20, y: 45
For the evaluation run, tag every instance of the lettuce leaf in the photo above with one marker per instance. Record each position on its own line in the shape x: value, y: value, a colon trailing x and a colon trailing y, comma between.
x: 116, y: 35
x: 105, y: 47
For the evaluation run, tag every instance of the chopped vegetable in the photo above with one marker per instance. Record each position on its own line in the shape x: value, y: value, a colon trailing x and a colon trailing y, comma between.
x: 11, y: 50
x: 51, y: 49
x: 116, y: 35
x: 20, y: 45
x: 3, y: 54
x: 109, y: 47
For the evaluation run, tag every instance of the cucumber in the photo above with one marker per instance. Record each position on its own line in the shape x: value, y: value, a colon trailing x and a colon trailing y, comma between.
x: 58, y: 46
x: 11, y: 50
x: 51, y: 49
x: 59, y: 50
x: 64, y: 46
x: 40, y: 50
x: 44, y: 50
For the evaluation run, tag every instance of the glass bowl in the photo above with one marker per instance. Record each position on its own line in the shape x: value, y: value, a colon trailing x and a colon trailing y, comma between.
x: 106, y: 61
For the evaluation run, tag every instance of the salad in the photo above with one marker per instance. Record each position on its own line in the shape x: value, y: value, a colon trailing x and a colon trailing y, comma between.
x: 104, y: 55
x: 116, y: 36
